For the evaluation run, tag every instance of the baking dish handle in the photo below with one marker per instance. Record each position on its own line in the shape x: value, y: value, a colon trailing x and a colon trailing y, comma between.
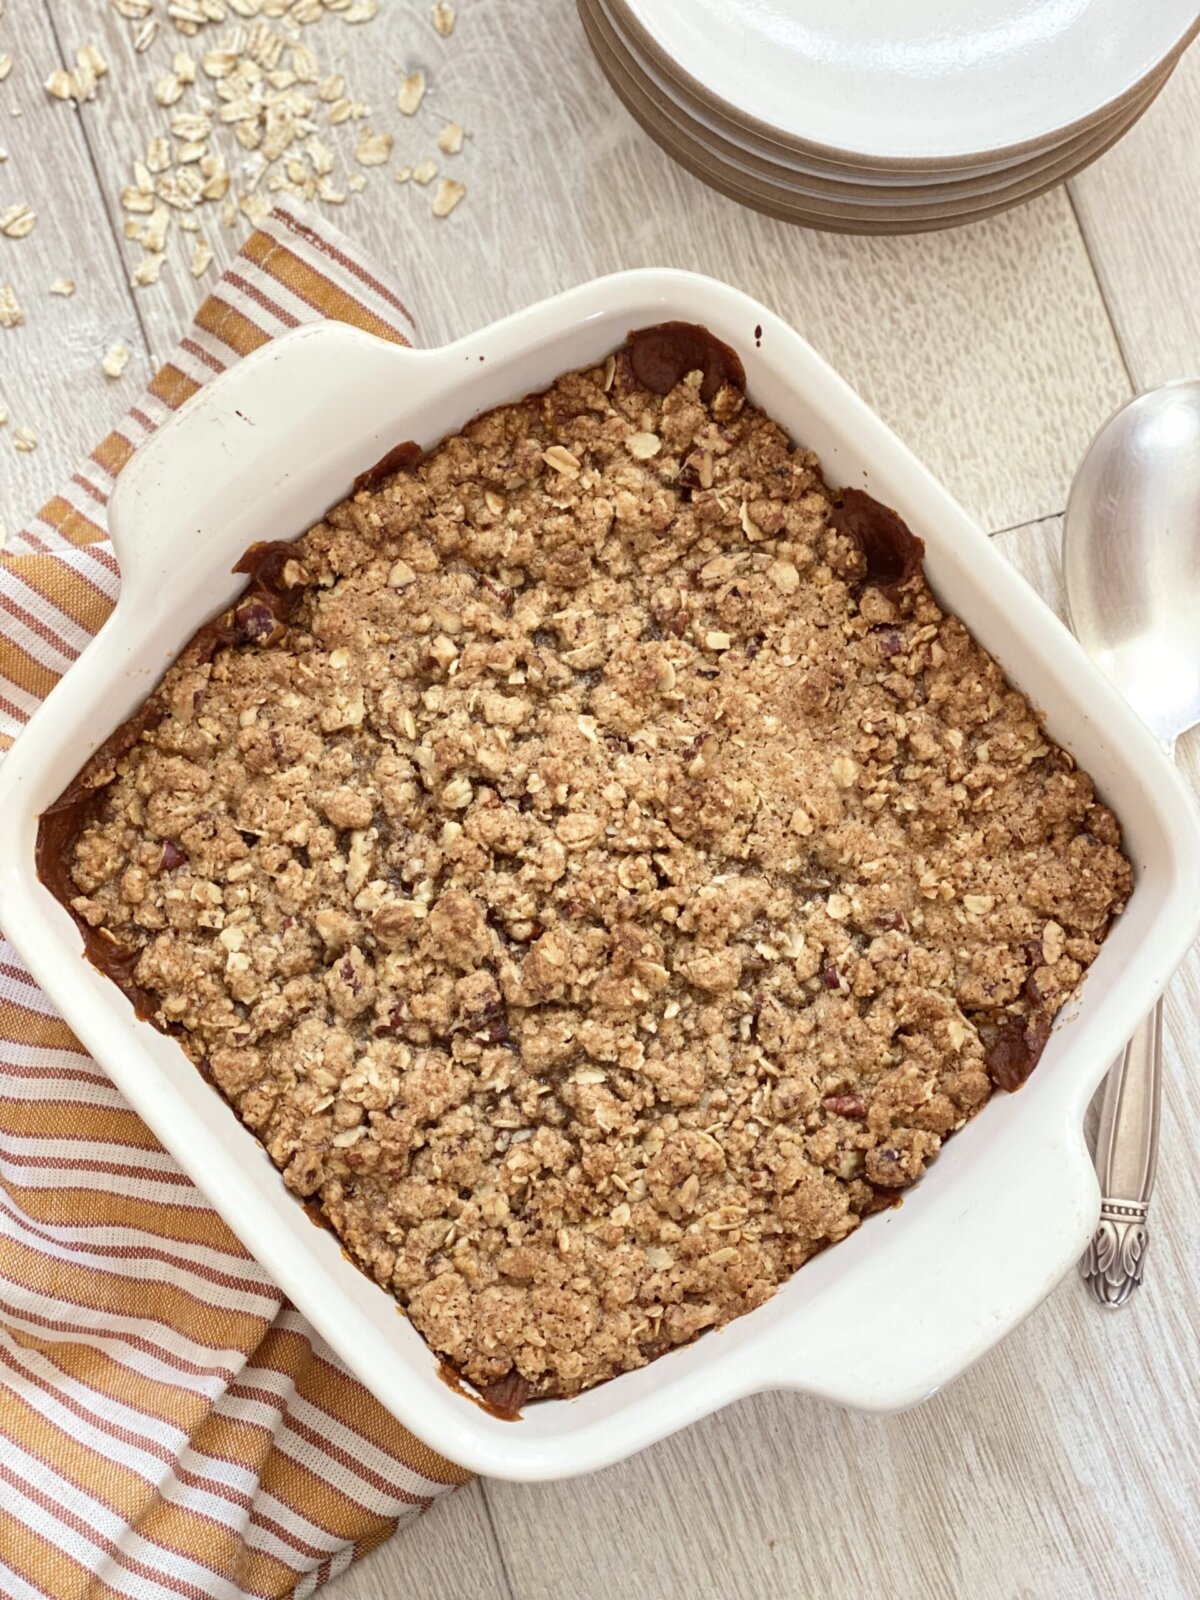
x: 945, y: 1290
x: 239, y: 446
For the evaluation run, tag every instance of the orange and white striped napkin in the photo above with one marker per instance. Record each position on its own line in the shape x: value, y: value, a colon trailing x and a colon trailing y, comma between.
x: 169, y: 1425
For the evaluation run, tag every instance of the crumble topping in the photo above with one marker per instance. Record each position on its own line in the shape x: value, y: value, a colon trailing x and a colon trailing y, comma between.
x: 597, y: 881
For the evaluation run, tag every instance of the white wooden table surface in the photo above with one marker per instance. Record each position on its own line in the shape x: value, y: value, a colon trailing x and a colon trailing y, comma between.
x: 1066, y: 1464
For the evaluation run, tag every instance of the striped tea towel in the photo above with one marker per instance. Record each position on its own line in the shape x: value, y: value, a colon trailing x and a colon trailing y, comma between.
x: 169, y: 1425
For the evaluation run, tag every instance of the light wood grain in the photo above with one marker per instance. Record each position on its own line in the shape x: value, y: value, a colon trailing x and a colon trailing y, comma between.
x: 1139, y: 208
x: 449, y: 1554
x: 988, y: 348
x: 50, y: 377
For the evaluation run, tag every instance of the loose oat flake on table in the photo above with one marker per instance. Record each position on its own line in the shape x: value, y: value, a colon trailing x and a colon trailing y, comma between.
x: 595, y: 866
x: 18, y: 221
x: 12, y: 313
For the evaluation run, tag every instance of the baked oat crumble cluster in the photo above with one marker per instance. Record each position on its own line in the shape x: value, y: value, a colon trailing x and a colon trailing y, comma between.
x: 597, y: 881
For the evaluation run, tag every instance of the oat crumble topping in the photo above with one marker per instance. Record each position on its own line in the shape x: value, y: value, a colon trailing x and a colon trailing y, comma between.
x: 594, y: 893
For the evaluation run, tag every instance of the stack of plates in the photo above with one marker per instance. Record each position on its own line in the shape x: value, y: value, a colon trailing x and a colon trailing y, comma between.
x: 886, y: 116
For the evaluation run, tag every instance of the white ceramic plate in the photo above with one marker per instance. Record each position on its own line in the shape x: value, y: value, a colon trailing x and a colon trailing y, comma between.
x: 783, y: 181
x: 841, y: 207
x: 802, y: 165
x: 917, y: 1293
x: 916, y: 80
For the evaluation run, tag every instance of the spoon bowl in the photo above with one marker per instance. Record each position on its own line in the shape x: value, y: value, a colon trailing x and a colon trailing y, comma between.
x: 1131, y: 555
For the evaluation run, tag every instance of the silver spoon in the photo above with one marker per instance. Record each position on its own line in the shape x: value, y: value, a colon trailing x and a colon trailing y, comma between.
x: 1131, y: 562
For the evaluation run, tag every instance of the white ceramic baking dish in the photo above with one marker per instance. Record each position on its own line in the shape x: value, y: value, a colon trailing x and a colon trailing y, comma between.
x: 918, y: 1293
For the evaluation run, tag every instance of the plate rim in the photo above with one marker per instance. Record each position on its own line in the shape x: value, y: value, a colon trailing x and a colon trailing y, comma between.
x: 861, y: 219
x: 1065, y: 159
x: 871, y: 160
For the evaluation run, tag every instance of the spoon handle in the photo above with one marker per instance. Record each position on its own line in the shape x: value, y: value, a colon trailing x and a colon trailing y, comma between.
x: 1126, y: 1157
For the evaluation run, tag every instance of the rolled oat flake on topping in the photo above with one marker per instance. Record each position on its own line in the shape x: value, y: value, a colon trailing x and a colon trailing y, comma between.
x: 115, y: 360
x: 556, y: 858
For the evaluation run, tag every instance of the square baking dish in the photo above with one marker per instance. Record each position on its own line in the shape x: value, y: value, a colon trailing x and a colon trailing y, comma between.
x: 919, y: 1292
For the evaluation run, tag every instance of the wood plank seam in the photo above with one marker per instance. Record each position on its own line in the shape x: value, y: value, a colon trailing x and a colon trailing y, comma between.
x: 1096, y: 274
x: 82, y: 120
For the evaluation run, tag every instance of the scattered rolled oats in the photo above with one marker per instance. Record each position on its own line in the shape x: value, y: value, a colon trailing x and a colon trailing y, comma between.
x: 18, y: 221
x: 168, y: 89
x: 443, y: 18
x: 403, y: 174
x: 24, y: 440
x: 3, y: 417
x: 449, y: 193
x: 202, y: 255
x: 6, y: 63
x: 424, y: 172
x: 218, y: 63
x: 11, y: 313
x: 115, y: 360
x: 844, y: 772
x: 145, y: 35
x: 254, y: 207
x: 373, y: 149
x: 450, y: 140
x: 89, y: 59
x: 153, y: 234
x: 192, y: 125
x: 63, y: 286
x: 412, y: 92
x: 146, y: 271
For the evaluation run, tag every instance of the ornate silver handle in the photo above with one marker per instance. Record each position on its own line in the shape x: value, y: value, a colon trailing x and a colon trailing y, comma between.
x: 1126, y: 1158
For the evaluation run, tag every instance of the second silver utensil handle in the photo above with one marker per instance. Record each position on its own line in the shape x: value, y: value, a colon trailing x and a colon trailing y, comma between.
x: 1126, y: 1158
